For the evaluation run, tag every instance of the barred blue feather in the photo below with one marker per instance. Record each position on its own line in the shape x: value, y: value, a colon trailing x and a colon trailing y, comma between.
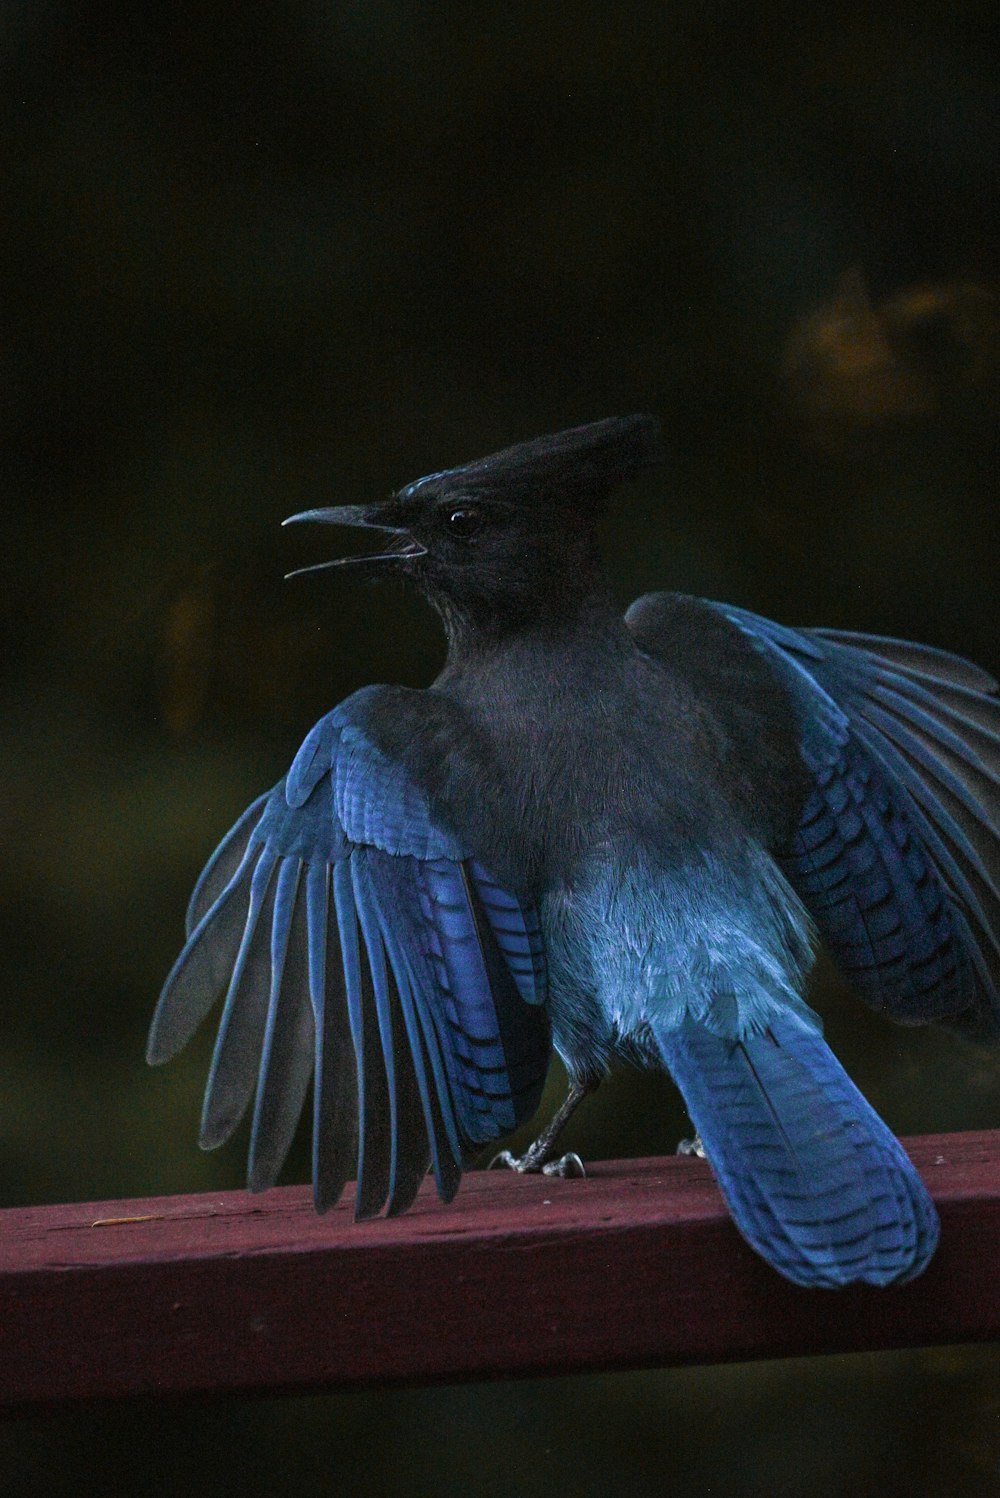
x: 357, y: 942
x: 812, y: 1176
x: 897, y: 853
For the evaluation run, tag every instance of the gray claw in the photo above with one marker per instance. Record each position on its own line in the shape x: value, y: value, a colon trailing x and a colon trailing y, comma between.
x: 505, y: 1161
x: 569, y: 1168
x: 692, y: 1147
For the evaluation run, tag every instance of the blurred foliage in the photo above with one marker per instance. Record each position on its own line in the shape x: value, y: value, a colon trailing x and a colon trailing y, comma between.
x: 265, y: 257
x: 851, y: 366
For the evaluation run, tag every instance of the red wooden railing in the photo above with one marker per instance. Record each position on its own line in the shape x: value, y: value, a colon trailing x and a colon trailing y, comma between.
x: 638, y: 1265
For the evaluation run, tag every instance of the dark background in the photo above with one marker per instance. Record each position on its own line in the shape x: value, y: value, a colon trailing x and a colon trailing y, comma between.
x: 261, y: 258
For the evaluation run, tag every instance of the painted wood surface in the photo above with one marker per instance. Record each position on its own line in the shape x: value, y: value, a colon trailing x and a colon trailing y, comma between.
x: 638, y: 1265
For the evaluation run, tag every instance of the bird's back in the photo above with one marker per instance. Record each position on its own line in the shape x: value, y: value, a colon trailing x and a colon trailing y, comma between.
x: 634, y: 787
x: 627, y: 740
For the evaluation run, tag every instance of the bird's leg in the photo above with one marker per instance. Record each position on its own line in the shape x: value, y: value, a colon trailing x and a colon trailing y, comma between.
x: 537, y: 1156
x: 692, y: 1147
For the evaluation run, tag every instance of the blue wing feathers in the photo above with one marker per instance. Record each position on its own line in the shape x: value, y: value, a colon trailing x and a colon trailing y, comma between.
x: 930, y: 660
x: 378, y: 803
x: 379, y: 1050
x: 937, y: 830
x: 369, y: 1092
x: 960, y: 775
x: 974, y: 745
x: 897, y: 854
x: 964, y: 707
x: 467, y: 1000
x: 962, y: 858
x: 353, y: 943
x: 218, y: 873
x: 390, y: 889
x: 442, y: 1130
x: 412, y: 1155
x: 479, y: 1069
x: 869, y: 886
x: 969, y: 707
x: 815, y: 1180
x: 236, y: 1059
x: 408, y: 1157
x: 517, y: 932
x: 309, y: 831
x: 286, y: 1057
x: 311, y: 763
x: 335, y: 1091
x: 510, y: 947
x: 203, y: 969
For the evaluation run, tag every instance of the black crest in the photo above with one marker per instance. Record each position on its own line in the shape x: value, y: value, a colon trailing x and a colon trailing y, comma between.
x: 581, y: 462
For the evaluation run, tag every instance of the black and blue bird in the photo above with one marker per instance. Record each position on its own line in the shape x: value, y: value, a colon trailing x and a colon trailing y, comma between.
x: 614, y: 836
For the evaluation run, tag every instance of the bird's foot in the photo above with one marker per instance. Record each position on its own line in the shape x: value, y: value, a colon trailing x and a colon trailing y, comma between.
x: 692, y: 1147
x: 537, y: 1158
x: 569, y: 1167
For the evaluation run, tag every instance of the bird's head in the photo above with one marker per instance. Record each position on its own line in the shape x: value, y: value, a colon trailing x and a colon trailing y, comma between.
x: 507, y: 538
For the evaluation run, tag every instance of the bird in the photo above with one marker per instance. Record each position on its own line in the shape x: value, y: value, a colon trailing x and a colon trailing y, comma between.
x: 617, y: 837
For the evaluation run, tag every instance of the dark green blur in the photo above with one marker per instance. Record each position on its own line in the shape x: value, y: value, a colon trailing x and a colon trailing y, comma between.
x: 267, y: 257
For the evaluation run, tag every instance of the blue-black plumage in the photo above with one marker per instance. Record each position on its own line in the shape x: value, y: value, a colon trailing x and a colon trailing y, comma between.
x: 612, y: 835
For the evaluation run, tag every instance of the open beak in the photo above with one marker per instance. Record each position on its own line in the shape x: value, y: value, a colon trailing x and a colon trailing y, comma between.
x: 370, y: 517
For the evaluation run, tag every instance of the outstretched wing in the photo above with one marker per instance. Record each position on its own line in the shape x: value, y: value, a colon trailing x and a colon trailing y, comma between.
x: 897, y: 852
x: 359, y: 942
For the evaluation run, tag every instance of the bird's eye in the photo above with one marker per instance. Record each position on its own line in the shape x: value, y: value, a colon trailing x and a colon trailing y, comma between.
x: 463, y: 521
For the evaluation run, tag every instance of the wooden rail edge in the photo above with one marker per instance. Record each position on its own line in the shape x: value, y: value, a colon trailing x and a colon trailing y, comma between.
x: 638, y: 1265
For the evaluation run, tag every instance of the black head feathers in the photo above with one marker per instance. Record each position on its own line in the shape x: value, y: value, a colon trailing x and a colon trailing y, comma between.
x: 579, y: 464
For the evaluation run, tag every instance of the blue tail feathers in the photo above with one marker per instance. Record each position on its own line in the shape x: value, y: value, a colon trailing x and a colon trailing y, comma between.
x: 815, y: 1180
